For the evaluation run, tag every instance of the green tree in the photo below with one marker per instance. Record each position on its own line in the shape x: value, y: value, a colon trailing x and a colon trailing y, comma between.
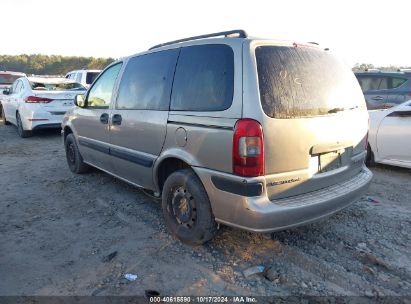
x: 50, y: 65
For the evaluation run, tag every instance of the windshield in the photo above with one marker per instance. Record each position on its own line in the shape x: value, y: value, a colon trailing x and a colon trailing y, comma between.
x: 8, y: 78
x: 305, y: 82
x: 67, y: 86
x: 91, y: 76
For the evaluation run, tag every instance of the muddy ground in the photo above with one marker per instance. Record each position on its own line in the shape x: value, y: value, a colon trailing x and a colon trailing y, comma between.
x: 58, y: 229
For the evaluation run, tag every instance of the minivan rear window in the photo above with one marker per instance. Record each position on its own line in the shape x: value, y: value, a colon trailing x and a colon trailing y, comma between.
x: 204, y: 78
x: 304, y: 82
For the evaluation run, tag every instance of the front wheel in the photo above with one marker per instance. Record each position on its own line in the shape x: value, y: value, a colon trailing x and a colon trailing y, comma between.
x: 20, y: 129
x: 186, y: 208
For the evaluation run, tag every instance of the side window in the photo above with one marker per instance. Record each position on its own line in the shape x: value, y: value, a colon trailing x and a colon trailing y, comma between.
x: 368, y: 83
x: 102, y: 90
x: 204, y: 79
x: 78, y: 77
x: 68, y: 76
x: 13, y: 87
x: 146, y: 82
x: 19, y: 87
x: 384, y: 84
x: 396, y: 82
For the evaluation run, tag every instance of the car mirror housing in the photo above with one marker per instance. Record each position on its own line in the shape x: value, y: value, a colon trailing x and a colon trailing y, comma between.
x: 80, y: 100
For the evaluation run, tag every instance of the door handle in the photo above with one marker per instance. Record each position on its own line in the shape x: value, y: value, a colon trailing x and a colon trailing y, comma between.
x: 116, y: 120
x: 104, y: 118
x: 377, y: 98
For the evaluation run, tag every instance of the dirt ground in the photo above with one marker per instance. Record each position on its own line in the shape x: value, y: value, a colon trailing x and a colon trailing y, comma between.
x: 58, y: 229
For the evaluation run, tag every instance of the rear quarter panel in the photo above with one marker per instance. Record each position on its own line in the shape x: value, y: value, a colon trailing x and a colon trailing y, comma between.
x: 209, y: 135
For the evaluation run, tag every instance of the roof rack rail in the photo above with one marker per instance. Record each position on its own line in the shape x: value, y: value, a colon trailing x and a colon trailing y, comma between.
x: 240, y: 33
x: 372, y: 70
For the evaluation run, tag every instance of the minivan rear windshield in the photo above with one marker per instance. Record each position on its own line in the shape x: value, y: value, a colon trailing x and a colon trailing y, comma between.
x: 304, y: 82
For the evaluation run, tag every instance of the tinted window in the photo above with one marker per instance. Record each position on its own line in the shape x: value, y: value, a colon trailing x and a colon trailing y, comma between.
x: 204, y: 79
x: 146, y: 81
x: 91, y: 76
x: 380, y: 82
x: 396, y: 82
x: 8, y: 78
x: 384, y: 83
x: 368, y: 83
x: 303, y: 82
x: 102, y: 90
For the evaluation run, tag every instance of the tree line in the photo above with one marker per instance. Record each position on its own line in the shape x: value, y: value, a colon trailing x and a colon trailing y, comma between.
x: 59, y: 65
x: 366, y: 66
x: 50, y: 65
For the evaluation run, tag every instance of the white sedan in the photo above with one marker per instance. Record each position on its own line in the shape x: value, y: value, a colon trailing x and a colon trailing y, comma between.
x: 390, y: 136
x: 34, y: 103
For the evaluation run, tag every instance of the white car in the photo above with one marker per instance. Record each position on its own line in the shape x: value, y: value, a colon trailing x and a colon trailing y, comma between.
x: 390, y: 136
x: 36, y: 103
x: 85, y: 77
x: 6, y: 80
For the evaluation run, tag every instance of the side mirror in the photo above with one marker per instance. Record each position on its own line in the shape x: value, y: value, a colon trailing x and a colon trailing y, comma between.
x: 80, y: 101
x: 6, y: 92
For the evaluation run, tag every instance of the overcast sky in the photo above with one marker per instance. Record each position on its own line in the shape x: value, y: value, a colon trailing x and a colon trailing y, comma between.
x: 361, y: 31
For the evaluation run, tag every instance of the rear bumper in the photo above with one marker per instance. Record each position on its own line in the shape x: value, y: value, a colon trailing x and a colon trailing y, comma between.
x: 34, y: 117
x: 259, y: 214
x: 47, y: 126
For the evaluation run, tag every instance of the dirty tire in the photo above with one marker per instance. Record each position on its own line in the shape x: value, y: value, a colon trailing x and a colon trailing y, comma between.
x: 369, y: 159
x: 73, y: 156
x: 3, y: 115
x: 20, y: 129
x: 184, y: 191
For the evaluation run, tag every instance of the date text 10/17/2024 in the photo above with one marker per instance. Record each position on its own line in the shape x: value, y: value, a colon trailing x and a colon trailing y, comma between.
x: 202, y: 299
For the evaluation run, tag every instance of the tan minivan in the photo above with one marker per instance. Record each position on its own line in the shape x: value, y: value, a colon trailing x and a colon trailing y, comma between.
x: 258, y: 134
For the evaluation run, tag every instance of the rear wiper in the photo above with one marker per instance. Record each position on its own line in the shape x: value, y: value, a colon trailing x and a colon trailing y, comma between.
x: 335, y: 110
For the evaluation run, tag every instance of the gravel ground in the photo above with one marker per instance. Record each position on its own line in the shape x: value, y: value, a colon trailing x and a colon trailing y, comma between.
x: 66, y: 234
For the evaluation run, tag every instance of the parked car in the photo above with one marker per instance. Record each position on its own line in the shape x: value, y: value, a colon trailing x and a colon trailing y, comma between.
x: 228, y: 129
x: 33, y: 103
x: 390, y: 136
x: 384, y: 89
x: 85, y: 77
x: 6, y: 80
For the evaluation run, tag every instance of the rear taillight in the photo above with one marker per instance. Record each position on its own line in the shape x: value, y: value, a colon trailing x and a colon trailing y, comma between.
x: 35, y: 99
x: 248, y: 148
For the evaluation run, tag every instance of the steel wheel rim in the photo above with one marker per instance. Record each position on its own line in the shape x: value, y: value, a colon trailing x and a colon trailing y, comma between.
x: 71, y: 153
x: 183, y: 207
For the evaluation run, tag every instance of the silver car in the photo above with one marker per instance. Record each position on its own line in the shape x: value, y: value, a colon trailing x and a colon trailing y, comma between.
x: 262, y: 135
